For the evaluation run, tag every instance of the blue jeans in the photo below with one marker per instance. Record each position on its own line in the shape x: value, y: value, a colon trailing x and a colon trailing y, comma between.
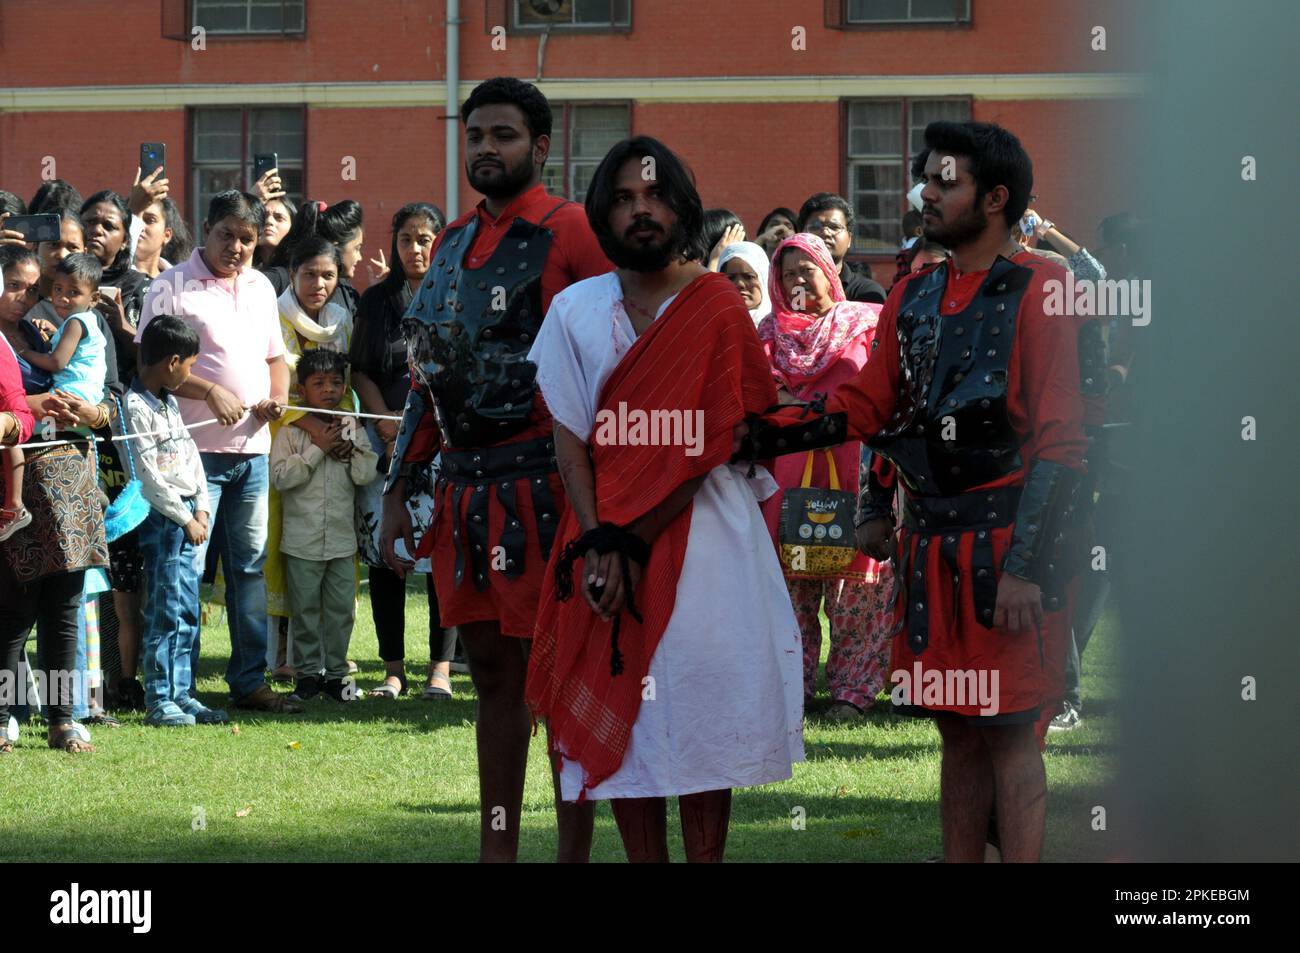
x: 170, y: 609
x: 238, y: 484
x: 80, y: 703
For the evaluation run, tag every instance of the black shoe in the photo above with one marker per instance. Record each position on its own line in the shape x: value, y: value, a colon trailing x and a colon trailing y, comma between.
x: 308, y: 686
x: 339, y: 689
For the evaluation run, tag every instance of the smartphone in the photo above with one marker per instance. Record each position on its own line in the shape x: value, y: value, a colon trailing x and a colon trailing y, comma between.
x: 153, y: 156
x: 264, y: 162
x: 35, y: 228
x: 110, y: 291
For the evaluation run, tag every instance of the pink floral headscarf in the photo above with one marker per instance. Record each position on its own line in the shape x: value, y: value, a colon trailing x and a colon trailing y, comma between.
x: 804, y: 345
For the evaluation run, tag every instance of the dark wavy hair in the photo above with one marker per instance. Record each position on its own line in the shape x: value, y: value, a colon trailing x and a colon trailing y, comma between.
x: 11, y: 255
x: 337, y: 223
x: 716, y: 221
x: 54, y: 195
x: 182, y: 242
x: 318, y: 360
x: 315, y: 246
x: 995, y: 155
x: 676, y: 186
x: 821, y: 202
x: 779, y: 212
x: 242, y: 206
x: 510, y: 91
x: 12, y: 204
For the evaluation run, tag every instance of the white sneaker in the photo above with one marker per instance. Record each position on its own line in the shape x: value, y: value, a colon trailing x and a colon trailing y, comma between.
x: 11, y: 521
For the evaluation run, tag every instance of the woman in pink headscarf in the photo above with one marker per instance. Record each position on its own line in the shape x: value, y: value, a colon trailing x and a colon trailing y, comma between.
x: 816, y: 340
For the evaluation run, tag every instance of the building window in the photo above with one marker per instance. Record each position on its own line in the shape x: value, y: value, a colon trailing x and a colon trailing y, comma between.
x: 225, y: 141
x: 581, y: 136
x: 249, y: 16
x: 906, y: 11
x: 883, y: 135
x: 571, y: 14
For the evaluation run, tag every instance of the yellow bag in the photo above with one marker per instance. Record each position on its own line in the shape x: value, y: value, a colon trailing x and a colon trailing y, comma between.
x: 816, y: 528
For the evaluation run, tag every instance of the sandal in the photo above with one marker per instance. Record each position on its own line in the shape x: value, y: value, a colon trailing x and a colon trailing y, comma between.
x: 387, y: 690
x: 72, y: 739
x: 435, y: 692
x: 6, y: 746
x: 103, y: 720
x: 284, y: 675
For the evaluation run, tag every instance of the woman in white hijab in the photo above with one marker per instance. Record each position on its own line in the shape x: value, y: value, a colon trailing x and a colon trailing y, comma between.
x: 746, y: 264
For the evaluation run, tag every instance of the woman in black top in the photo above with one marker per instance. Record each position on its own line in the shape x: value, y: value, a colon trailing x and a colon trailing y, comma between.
x: 107, y: 221
x: 381, y: 378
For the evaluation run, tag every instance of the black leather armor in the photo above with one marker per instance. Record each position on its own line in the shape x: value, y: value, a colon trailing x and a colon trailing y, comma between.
x: 470, y: 330
x: 951, y: 433
x: 950, y: 430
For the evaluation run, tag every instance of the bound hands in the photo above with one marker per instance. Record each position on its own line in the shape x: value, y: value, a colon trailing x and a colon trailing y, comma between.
x: 604, y: 575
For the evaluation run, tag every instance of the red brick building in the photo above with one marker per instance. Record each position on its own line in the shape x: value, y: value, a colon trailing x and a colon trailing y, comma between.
x: 768, y: 100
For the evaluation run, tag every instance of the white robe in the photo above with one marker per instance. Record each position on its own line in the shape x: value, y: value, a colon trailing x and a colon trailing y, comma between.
x: 727, y: 706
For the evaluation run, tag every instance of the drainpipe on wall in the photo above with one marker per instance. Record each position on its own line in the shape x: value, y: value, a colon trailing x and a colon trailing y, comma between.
x: 452, y: 188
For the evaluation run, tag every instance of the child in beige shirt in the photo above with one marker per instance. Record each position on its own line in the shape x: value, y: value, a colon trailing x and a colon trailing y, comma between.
x: 317, y: 479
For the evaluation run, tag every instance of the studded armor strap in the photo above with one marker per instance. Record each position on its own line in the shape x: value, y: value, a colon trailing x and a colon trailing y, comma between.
x: 1042, y: 546
x: 875, y: 500
x: 497, y: 470
x: 412, y: 414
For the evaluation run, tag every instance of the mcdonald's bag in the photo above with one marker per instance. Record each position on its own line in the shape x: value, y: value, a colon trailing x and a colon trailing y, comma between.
x: 816, y: 528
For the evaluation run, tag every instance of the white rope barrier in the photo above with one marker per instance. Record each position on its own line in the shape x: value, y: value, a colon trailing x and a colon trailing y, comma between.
x: 196, y: 426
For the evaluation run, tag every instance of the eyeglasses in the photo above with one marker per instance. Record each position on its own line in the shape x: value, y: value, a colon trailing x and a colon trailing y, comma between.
x: 826, y: 228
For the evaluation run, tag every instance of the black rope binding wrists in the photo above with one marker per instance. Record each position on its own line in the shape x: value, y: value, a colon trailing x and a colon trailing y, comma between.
x: 605, y: 538
x: 759, y: 430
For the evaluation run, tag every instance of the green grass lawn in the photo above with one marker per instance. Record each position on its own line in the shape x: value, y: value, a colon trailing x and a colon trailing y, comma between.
x: 396, y: 781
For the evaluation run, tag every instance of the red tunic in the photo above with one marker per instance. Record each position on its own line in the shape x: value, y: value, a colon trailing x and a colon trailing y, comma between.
x: 574, y: 254
x: 1046, y: 410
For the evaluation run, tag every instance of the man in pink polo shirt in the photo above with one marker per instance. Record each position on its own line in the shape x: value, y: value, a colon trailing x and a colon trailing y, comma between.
x: 241, y: 379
